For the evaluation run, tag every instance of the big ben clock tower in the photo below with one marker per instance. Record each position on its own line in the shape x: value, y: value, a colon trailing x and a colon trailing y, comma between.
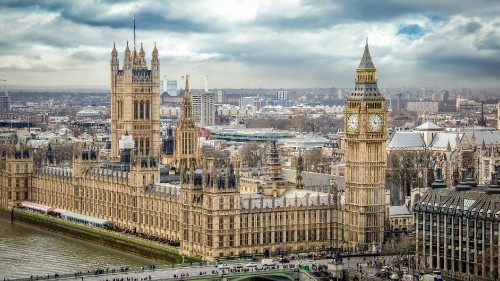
x: 365, y: 138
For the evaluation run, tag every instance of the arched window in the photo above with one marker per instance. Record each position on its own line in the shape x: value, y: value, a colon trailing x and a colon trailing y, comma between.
x: 147, y: 110
x: 141, y: 148
x: 141, y: 110
x: 147, y: 146
x: 221, y: 203
x: 136, y: 109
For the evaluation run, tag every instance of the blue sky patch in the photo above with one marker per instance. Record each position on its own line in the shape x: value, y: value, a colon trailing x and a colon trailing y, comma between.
x: 414, y: 31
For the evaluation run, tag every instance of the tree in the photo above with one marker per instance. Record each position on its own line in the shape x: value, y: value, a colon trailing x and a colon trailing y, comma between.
x: 252, y: 153
x: 62, y: 153
x: 315, y: 161
x: 220, y: 157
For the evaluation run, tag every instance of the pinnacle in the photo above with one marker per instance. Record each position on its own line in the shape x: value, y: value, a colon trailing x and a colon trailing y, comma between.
x: 366, y: 60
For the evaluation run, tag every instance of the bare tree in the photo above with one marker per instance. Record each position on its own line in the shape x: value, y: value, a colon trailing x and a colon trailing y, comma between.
x: 315, y: 161
x: 220, y: 157
x: 252, y: 153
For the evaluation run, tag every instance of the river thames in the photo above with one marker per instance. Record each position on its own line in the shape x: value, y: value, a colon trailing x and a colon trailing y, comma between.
x: 28, y: 251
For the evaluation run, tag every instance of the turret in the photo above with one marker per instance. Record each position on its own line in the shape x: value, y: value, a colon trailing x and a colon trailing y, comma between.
x: 300, y: 167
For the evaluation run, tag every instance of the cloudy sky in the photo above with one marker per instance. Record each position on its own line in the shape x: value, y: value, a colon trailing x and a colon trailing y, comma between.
x: 250, y: 44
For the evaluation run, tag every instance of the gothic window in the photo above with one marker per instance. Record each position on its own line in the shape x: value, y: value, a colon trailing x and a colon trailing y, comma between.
x: 141, y: 110
x: 231, y: 203
x: 147, y: 146
x: 147, y: 110
x: 25, y: 168
x: 18, y: 168
x: 136, y: 109
x: 141, y: 148
x: 221, y: 203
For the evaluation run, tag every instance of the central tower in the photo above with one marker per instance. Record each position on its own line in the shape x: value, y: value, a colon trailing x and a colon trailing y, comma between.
x: 135, y: 101
x: 365, y: 136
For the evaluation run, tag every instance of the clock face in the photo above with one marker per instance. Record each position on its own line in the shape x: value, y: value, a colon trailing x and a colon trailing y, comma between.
x: 352, y: 122
x: 375, y: 123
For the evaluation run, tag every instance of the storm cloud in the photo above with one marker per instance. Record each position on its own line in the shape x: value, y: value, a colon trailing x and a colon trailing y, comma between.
x: 250, y: 43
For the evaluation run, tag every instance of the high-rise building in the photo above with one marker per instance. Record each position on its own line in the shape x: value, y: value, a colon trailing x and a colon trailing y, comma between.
x: 4, y: 103
x: 172, y: 88
x: 220, y: 96
x: 135, y: 101
x: 204, y: 108
x: 282, y: 95
x: 366, y: 134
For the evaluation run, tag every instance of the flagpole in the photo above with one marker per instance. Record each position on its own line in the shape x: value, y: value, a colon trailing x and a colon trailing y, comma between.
x: 133, y: 16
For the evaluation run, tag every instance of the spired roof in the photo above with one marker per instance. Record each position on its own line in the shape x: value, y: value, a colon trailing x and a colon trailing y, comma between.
x: 366, y: 60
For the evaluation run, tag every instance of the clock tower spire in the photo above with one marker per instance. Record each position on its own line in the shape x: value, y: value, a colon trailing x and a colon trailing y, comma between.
x: 365, y: 137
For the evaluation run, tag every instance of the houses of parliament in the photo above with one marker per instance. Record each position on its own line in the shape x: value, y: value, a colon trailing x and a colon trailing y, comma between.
x: 198, y: 204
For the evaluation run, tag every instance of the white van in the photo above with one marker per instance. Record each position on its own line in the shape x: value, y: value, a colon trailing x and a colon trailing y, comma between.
x: 268, y: 262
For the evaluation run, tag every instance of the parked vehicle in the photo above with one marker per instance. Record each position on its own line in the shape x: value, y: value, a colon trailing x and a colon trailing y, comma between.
x: 252, y: 264
x: 268, y: 262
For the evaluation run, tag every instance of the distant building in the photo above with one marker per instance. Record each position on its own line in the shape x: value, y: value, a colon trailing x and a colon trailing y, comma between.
x: 5, y: 103
x: 248, y: 101
x: 172, y: 88
x: 204, y: 108
x: 498, y: 116
x: 422, y: 106
x: 162, y: 86
x: 282, y: 95
x: 220, y: 96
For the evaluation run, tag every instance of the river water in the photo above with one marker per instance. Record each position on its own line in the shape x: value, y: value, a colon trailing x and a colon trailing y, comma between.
x: 27, y: 251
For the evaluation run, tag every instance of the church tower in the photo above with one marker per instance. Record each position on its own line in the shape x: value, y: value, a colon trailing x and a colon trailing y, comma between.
x: 135, y: 101
x: 186, y: 134
x: 365, y: 136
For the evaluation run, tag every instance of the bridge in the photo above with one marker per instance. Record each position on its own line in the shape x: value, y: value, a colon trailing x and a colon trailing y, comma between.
x: 203, y: 273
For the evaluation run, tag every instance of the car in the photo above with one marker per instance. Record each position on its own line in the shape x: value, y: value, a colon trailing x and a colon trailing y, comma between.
x: 238, y: 265
x: 252, y: 264
x: 284, y: 260
x: 219, y: 264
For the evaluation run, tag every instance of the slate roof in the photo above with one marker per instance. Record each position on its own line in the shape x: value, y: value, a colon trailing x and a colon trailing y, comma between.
x: 366, y: 60
x: 448, y: 200
x: 428, y: 126
x: 294, y: 197
x: 399, y: 211
x: 441, y: 140
x: 404, y: 140
x: 489, y: 137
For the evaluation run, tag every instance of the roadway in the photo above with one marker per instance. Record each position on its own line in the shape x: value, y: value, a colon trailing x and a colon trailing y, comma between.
x: 163, y: 272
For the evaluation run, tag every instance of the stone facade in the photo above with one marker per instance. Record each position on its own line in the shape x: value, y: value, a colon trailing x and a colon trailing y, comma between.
x: 198, y: 205
x: 366, y: 134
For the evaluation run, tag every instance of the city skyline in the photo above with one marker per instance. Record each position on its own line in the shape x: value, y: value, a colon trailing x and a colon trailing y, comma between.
x: 252, y: 44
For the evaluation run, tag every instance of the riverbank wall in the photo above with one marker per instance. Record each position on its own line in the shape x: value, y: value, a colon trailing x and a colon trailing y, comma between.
x: 116, y: 240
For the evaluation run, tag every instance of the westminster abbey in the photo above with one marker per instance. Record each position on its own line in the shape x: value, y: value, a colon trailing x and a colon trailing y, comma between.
x: 198, y: 204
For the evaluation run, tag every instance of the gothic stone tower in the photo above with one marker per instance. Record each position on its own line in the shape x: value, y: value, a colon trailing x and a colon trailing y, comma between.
x: 135, y: 101
x: 186, y: 135
x: 366, y: 133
